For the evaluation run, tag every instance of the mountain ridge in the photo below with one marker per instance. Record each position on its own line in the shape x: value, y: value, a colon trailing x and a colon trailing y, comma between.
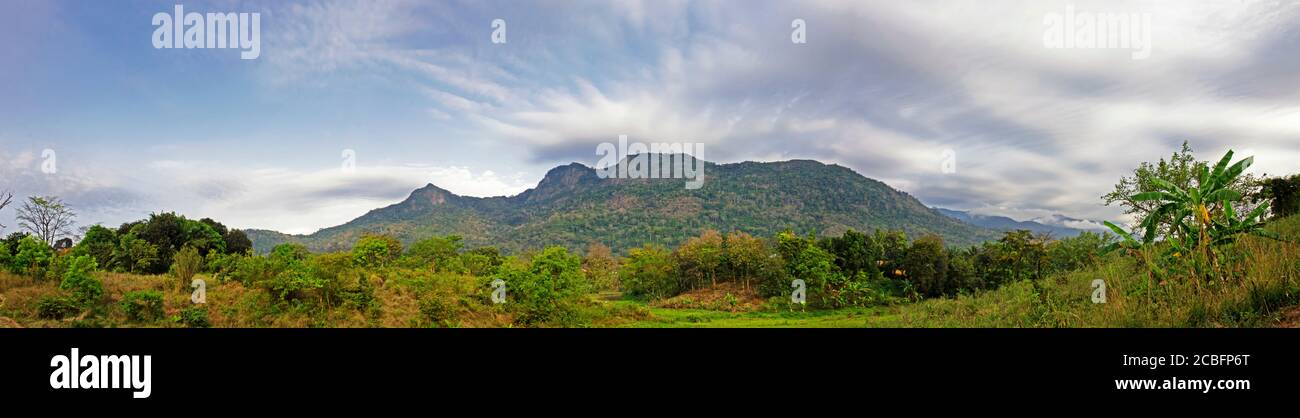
x: 572, y: 206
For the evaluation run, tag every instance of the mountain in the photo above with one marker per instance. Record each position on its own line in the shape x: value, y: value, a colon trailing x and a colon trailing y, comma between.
x: 573, y: 207
x: 1057, y: 225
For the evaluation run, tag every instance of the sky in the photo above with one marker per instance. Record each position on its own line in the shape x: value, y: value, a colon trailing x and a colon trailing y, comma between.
x: 963, y: 104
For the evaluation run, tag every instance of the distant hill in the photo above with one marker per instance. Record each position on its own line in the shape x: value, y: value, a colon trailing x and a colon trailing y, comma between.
x: 1051, y: 225
x: 573, y: 207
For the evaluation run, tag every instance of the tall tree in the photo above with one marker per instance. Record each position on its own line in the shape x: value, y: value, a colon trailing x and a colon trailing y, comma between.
x: 6, y: 197
x: 46, y: 217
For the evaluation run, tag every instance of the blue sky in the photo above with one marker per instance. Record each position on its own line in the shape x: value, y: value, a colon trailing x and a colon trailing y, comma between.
x: 421, y: 94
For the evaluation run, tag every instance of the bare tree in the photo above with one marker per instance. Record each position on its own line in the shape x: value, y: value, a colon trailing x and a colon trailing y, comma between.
x: 46, y: 217
x: 5, y: 198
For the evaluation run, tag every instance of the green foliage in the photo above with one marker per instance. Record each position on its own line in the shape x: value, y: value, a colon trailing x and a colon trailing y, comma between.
x: 98, y: 243
x: 57, y: 307
x: 438, y: 310
x: 1200, y: 218
x: 442, y: 253
x: 701, y: 260
x: 376, y: 251
x: 31, y: 257
x: 6, y: 258
x: 195, y: 317
x: 188, y: 263
x: 482, y: 261
x: 1282, y: 193
x: 237, y: 242
x: 806, y: 261
x: 1077, y: 252
x: 169, y: 233
x: 547, y: 290
x: 144, y: 305
x: 572, y: 207
x: 134, y: 255
x: 855, y: 253
x: 649, y: 272
x: 83, y: 285
x: 926, y: 265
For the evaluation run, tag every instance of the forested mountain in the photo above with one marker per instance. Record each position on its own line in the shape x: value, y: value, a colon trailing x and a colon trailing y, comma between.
x: 573, y: 207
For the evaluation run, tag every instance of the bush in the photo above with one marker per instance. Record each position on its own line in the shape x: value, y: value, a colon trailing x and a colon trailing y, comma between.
x: 187, y: 264
x: 548, y: 290
x: 31, y: 257
x: 195, y: 318
x: 57, y: 307
x: 85, y: 288
x: 145, y: 305
x: 6, y: 257
x: 438, y: 310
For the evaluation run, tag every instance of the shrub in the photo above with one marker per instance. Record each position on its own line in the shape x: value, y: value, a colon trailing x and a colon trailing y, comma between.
x: 187, y: 263
x: 438, y: 310
x: 57, y: 307
x: 85, y: 288
x: 31, y: 257
x: 195, y: 318
x: 548, y: 290
x: 145, y: 305
x: 6, y: 257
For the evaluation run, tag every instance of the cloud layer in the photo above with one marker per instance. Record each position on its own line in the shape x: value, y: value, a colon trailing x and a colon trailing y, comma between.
x: 886, y: 88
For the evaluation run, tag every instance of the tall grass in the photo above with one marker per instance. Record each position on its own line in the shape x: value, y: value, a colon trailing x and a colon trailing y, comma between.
x: 1261, y: 277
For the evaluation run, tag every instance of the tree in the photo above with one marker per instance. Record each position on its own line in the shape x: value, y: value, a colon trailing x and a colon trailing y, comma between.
x: 1202, y: 216
x: 441, y: 253
x: 31, y: 257
x: 376, y: 250
x: 46, y: 217
x: 187, y: 263
x: 700, y: 258
x: 78, y: 279
x: 806, y: 261
x: 649, y: 272
x: 237, y: 242
x: 134, y: 255
x: 1181, y: 171
x: 1283, y: 194
x: 749, y: 259
x: 600, y: 266
x: 926, y: 265
x: 6, y: 197
x: 855, y: 252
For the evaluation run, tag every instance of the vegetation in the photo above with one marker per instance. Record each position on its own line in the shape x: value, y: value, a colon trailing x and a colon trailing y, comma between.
x: 572, y: 208
x: 1204, y: 254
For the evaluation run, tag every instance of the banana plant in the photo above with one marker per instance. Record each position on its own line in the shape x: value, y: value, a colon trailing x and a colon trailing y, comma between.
x: 1200, y: 218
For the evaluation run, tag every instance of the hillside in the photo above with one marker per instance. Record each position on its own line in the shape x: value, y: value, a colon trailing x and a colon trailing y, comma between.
x: 573, y: 207
x: 1003, y: 223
